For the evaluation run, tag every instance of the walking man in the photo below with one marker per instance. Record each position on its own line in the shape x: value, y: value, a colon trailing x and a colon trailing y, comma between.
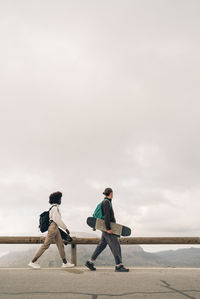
x: 108, y: 238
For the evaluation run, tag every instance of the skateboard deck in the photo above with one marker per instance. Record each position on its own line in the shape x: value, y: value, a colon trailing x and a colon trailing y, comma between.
x: 118, y: 229
x: 64, y: 235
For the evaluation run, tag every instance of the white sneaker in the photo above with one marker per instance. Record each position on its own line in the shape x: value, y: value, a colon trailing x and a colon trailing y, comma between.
x: 68, y: 265
x: 34, y: 265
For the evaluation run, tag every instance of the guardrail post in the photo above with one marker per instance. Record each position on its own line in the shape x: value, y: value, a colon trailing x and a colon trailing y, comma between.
x: 74, y: 254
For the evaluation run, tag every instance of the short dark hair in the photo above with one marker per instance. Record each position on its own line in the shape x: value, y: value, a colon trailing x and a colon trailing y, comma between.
x: 55, y: 197
x: 107, y: 191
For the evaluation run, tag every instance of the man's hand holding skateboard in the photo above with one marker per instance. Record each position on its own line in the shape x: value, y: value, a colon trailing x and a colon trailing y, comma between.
x: 110, y: 231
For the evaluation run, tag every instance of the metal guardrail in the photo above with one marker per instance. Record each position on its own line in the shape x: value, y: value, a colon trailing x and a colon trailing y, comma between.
x: 93, y: 241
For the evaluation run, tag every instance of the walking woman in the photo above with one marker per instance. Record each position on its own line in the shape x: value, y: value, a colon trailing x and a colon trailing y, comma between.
x: 53, y: 232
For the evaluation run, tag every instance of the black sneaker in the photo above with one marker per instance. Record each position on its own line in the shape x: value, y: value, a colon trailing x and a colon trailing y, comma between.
x: 121, y: 268
x: 90, y: 266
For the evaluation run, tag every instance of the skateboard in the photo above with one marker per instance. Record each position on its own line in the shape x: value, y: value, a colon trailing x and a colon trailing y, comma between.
x: 118, y: 229
x: 67, y: 238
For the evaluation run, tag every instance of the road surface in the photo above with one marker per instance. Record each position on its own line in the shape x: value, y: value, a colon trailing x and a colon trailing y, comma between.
x: 54, y: 283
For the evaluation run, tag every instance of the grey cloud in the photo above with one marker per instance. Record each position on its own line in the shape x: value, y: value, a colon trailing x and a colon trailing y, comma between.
x: 96, y: 94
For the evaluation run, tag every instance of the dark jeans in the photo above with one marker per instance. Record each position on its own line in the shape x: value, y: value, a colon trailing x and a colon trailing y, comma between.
x: 112, y: 241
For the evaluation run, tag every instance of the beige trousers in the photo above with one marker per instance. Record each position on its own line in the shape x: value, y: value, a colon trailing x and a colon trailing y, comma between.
x: 52, y: 236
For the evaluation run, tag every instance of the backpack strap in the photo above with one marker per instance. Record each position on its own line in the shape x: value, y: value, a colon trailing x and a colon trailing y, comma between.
x: 52, y: 207
x: 108, y: 201
x: 49, y: 211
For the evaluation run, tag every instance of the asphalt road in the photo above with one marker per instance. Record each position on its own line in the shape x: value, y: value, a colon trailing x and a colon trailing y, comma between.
x: 150, y: 283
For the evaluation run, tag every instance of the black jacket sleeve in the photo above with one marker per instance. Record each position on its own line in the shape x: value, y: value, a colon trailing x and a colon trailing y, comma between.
x: 106, y: 213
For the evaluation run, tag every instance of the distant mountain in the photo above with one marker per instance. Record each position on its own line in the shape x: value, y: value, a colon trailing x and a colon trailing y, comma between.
x: 186, y: 257
x: 133, y: 255
x: 51, y: 257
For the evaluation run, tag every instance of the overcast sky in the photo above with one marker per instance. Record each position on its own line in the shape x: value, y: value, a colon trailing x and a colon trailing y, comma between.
x: 99, y: 94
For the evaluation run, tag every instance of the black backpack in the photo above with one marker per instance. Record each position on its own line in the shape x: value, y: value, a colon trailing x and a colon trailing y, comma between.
x: 44, y: 221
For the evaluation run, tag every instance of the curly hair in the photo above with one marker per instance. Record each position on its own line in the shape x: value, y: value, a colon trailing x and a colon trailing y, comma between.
x: 55, y: 197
